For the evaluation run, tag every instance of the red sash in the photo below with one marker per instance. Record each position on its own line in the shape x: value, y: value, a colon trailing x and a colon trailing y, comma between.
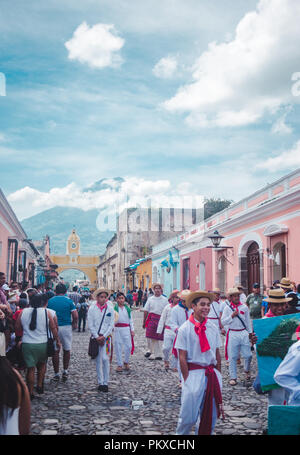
x: 168, y: 327
x: 213, y: 391
x: 200, y: 331
x: 226, y: 343
x: 122, y: 324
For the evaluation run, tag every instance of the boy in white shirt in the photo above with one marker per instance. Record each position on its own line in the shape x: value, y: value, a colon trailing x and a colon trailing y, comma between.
x: 198, y: 342
x: 123, y: 333
x: 101, y: 318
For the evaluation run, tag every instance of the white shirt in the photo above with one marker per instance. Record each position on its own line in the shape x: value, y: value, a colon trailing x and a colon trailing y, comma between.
x: 287, y: 374
x: 215, y: 309
x: 95, y: 316
x: 124, y: 318
x: 188, y: 340
x: 234, y: 323
x: 178, y: 316
x: 165, y: 318
x: 39, y: 335
x: 156, y: 304
x: 243, y: 298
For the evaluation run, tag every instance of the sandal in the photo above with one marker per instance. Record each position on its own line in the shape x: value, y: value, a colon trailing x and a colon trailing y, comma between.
x: 126, y: 366
x: 233, y: 382
x: 119, y: 369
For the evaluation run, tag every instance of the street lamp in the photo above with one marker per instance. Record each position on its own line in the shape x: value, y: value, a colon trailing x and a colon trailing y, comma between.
x: 216, y: 239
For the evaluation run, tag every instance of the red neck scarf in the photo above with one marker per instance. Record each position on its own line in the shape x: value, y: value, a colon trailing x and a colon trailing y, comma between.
x: 235, y: 306
x: 269, y: 314
x: 200, y: 331
x: 102, y: 307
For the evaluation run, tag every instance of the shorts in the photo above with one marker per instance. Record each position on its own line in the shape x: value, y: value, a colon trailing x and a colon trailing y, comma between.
x: 65, y: 336
x: 34, y: 353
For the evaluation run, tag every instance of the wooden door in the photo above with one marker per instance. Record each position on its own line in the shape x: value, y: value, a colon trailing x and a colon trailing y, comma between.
x: 253, y: 264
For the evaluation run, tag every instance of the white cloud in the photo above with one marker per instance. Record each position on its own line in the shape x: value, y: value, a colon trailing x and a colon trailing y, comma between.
x: 134, y: 191
x: 98, y: 46
x: 287, y: 160
x: 280, y: 126
x: 165, y: 68
x: 236, y: 83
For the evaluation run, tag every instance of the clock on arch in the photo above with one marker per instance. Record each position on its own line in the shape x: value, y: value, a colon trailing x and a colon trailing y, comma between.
x: 74, y: 245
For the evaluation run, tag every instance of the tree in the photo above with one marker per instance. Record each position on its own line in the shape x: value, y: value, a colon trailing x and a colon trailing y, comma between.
x: 212, y: 206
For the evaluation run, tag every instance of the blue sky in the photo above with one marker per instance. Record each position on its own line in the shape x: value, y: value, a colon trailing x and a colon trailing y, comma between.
x: 153, y: 99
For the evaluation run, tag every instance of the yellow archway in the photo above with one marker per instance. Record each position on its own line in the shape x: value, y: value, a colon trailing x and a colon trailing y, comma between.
x: 74, y: 260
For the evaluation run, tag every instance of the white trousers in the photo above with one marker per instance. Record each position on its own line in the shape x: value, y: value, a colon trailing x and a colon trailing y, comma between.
x: 238, y: 345
x: 102, y: 366
x: 169, y: 337
x: 154, y: 346
x: 122, y: 343
x: 192, y: 402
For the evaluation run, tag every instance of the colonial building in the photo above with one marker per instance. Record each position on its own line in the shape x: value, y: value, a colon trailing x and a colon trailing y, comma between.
x: 18, y: 254
x: 261, y: 233
x: 108, y: 267
x: 138, y: 230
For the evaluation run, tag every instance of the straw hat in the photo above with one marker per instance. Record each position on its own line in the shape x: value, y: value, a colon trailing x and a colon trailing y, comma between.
x: 157, y: 284
x: 195, y: 295
x: 232, y: 291
x: 277, y: 296
x: 216, y: 291
x: 100, y: 291
x: 184, y: 294
x: 174, y: 294
x: 285, y: 283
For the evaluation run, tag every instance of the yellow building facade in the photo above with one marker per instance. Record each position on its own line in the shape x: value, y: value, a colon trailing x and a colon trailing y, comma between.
x: 143, y: 274
x: 74, y: 260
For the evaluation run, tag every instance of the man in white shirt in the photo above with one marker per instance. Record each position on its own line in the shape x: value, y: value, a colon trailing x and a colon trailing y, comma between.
x: 169, y: 334
x: 123, y: 332
x: 236, y: 319
x: 198, y: 343
x: 216, y: 310
x: 101, y: 318
x: 152, y: 312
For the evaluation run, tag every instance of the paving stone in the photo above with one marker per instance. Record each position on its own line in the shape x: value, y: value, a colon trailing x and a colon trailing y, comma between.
x: 77, y: 407
x: 49, y: 432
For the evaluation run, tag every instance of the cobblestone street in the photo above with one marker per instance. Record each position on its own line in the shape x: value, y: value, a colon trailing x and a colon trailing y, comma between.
x: 76, y: 407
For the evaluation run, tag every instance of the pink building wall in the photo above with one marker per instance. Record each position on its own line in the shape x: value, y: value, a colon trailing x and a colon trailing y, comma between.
x: 197, y: 257
x: 267, y: 217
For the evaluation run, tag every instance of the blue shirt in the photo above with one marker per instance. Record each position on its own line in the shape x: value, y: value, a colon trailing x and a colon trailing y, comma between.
x: 63, y: 306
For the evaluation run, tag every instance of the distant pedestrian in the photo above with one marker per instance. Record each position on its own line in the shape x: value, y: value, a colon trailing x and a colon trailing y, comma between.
x: 140, y: 296
x: 82, y: 313
x: 135, y: 298
x: 254, y: 301
x: 129, y: 298
x: 75, y: 296
x: 145, y: 297
x: 152, y: 313
x: 33, y: 321
x: 67, y: 318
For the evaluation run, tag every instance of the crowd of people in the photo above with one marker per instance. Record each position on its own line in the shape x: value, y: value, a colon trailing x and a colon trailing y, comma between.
x: 186, y: 330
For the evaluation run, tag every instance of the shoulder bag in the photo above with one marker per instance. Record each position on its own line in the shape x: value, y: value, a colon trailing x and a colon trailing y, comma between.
x: 93, y: 343
x: 50, y: 340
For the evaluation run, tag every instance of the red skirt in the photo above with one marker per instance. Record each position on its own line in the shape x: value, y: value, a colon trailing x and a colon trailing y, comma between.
x: 151, y: 327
